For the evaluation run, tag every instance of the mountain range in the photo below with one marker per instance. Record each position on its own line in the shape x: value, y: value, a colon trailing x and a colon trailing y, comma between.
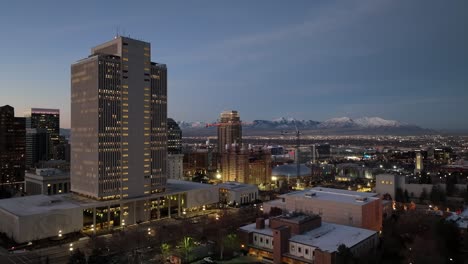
x: 340, y: 125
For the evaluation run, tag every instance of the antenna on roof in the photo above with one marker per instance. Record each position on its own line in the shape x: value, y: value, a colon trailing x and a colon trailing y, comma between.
x: 116, y: 32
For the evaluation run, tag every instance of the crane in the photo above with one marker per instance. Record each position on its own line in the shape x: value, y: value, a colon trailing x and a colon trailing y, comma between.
x: 297, y: 134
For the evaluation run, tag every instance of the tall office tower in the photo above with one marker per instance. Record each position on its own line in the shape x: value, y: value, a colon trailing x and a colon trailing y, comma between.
x: 48, y: 119
x: 11, y: 147
x: 229, y: 130
x: 235, y: 163
x: 118, y: 121
x: 419, y: 162
x: 37, y: 146
x: 174, y: 137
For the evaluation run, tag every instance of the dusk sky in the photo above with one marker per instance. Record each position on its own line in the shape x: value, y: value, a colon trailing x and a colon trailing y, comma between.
x: 402, y: 60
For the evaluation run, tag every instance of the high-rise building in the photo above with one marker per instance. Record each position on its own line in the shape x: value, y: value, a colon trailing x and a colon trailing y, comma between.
x: 11, y: 146
x: 118, y: 120
x: 260, y: 166
x: 419, y: 162
x: 229, y: 130
x: 174, y: 137
x: 37, y: 146
x: 48, y: 119
x: 235, y: 163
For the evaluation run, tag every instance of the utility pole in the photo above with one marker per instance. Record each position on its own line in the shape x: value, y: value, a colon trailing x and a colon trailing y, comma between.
x: 298, y: 145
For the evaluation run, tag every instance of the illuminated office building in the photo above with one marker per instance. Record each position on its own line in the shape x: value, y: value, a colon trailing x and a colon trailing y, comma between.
x: 118, y: 121
x: 229, y: 130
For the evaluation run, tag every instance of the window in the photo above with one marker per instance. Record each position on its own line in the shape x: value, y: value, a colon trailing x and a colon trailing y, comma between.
x: 299, y: 249
x: 267, y: 241
x: 255, y: 238
x: 307, y: 251
x: 261, y: 240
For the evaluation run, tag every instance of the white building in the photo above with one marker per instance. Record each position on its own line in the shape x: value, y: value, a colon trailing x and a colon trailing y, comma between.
x: 47, y: 181
x: 175, y: 166
x: 235, y: 193
x: 36, y: 217
x: 338, y: 206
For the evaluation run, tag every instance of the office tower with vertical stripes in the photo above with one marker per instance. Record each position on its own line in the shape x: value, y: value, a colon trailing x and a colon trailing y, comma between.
x: 118, y: 121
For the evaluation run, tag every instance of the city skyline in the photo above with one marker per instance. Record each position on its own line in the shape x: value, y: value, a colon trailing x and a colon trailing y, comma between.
x: 404, y: 61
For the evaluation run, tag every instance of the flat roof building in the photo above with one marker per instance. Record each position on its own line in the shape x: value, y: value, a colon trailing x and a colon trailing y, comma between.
x: 36, y: 217
x: 236, y: 193
x: 301, y: 238
x: 47, y: 181
x: 338, y: 206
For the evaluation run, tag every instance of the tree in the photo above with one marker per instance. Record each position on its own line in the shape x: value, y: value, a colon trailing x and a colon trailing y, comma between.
x: 406, y: 196
x: 399, y: 196
x: 165, y: 250
x: 423, y: 195
x: 437, y: 195
x: 97, y: 256
x: 275, y: 211
x: 77, y: 257
x: 187, y: 245
x: 344, y: 255
x: 231, y: 243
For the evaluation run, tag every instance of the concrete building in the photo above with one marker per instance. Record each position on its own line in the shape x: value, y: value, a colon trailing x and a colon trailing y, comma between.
x: 235, y: 193
x: 229, y: 130
x: 175, y: 166
x: 300, y: 238
x: 337, y: 206
x: 47, y: 181
x: 36, y: 217
x: 118, y: 121
x: 235, y: 163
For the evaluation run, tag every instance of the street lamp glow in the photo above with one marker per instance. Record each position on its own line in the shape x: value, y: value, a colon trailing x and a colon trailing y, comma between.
x: 274, y: 178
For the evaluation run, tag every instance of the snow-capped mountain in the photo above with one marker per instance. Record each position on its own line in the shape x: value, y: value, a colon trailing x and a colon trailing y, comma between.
x: 339, y: 125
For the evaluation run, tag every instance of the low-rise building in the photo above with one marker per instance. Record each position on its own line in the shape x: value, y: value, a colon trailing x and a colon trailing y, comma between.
x: 299, y: 238
x: 358, y: 209
x: 36, y: 217
x: 48, y: 181
x: 236, y: 193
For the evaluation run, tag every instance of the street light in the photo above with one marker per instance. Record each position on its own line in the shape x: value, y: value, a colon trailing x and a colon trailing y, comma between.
x: 71, y: 247
x: 60, y: 233
x: 218, y: 175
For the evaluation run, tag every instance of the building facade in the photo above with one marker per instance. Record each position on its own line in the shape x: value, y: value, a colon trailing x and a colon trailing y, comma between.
x: 175, y: 166
x: 174, y: 137
x: 47, y: 181
x: 235, y: 163
x: 337, y: 206
x: 229, y: 130
x: 37, y: 146
x: 300, y: 238
x: 12, y: 148
x: 235, y: 193
x: 49, y: 120
x: 118, y: 120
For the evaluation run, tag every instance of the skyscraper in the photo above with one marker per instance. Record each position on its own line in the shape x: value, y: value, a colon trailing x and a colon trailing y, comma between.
x: 37, y: 146
x: 118, y: 121
x: 174, y: 137
x: 11, y: 146
x: 229, y: 130
x: 48, y: 119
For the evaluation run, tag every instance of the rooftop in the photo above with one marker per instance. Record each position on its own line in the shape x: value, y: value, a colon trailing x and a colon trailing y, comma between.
x: 236, y: 186
x: 40, y: 204
x: 328, y: 237
x: 290, y: 170
x: 336, y: 195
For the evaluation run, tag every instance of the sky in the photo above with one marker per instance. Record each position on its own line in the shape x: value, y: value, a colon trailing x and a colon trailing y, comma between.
x: 396, y: 59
